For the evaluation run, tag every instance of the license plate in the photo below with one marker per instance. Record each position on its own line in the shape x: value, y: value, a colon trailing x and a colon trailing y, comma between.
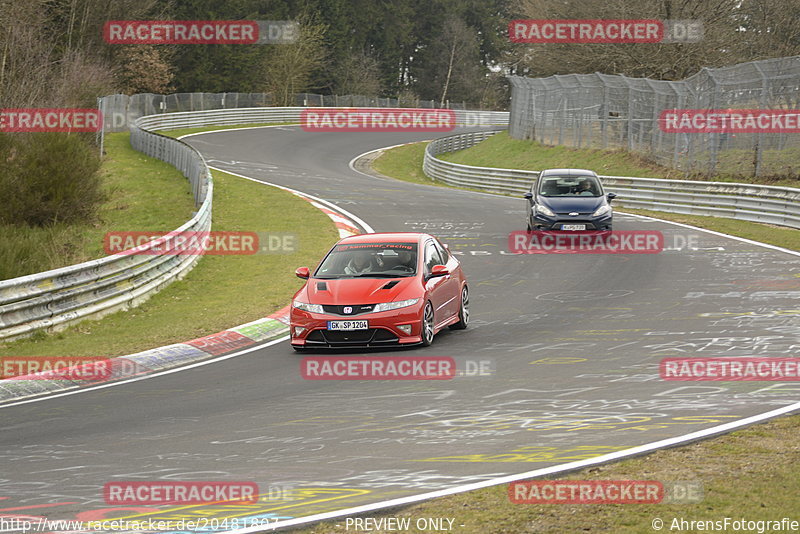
x: 348, y: 325
x: 573, y: 227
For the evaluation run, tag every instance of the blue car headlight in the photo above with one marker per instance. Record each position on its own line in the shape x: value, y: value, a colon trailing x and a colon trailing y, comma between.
x: 387, y: 306
x: 313, y: 308
x: 544, y: 210
x: 602, y: 210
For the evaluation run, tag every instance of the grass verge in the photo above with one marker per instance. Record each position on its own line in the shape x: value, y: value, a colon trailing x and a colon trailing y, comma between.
x: 501, y: 150
x: 765, y: 233
x: 753, y: 474
x: 143, y: 194
x: 404, y: 163
x: 220, y: 292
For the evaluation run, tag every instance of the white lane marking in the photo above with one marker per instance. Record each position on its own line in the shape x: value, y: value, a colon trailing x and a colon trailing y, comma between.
x: 737, y: 238
x: 367, y: 228
x: 146, y: 377
x: 649, y: 447
x: 352, y: 162
x: 439, y: 187
x: 288, y: 126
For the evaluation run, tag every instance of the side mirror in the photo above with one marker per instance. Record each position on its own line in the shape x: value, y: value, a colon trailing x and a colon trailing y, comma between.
x: 611, y: 196
x: 528, y: 195
x: 439, y: 270
x: 302, y: 272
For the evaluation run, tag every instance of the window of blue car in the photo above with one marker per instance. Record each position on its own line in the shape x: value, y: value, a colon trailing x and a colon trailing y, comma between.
x: 569, y: 186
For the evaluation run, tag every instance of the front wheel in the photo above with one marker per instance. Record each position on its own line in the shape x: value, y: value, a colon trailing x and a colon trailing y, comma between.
x: 463, y: 311
x: 427, y: 325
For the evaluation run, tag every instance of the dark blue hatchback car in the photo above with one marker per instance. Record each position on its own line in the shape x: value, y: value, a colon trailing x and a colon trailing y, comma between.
x: 569, y: 200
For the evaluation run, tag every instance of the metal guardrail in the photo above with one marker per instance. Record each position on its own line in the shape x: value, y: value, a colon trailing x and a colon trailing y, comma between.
x: 53, y: 299
x: 746, y: 202
x: 230, y: 117
x: 120, y: 110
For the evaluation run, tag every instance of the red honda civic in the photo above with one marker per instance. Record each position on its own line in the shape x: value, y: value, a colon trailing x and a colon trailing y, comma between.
x: 375, y: 290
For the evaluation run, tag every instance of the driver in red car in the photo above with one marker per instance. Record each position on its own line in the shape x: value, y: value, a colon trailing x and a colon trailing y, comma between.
x: 360, y: 263
x: 406, y: 260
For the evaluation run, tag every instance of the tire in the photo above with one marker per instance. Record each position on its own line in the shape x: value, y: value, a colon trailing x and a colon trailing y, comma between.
x: 529, y: 228
x: 428, y: 325
x: 463, y: 311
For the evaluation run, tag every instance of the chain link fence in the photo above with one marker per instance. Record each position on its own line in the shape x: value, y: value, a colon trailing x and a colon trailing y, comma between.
x: 119, y: 111
x: 610, y: 111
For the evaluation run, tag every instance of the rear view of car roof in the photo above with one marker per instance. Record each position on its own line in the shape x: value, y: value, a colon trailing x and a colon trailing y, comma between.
x: 568, y: 172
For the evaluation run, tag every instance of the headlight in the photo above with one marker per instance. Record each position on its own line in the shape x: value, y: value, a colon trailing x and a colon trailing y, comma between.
x: 602, y: 210
x: 313, y: 308
x: 386, y: 306
x: 544, y: 210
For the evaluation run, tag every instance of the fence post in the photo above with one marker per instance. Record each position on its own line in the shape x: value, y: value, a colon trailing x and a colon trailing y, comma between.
x: 760, y: 136
x: 715, y: 138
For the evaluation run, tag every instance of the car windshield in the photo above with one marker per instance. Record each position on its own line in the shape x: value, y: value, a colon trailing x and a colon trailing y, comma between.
x: 569, y: 186
x: 369, y: 260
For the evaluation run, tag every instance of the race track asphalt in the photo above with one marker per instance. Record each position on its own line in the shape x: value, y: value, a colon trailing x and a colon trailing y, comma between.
x: 574, y: 340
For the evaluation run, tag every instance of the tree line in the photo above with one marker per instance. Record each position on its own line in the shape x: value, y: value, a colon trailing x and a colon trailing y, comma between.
x: 52, y: 52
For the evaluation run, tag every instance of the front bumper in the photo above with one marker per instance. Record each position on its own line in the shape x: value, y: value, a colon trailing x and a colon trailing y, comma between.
x: 541, y: 222
x: 310, y: 330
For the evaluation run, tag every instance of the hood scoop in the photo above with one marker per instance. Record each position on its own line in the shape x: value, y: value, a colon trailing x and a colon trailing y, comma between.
x: 322, y: 286
x: 391, y: 284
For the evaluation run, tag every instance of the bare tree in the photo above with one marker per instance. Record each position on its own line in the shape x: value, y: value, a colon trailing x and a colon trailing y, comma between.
x: 656, y: 60
x: 51, y: 51
x: 358, y: 73
x: 461, y: 52
x: 144, y: 69
x: 288, y: 68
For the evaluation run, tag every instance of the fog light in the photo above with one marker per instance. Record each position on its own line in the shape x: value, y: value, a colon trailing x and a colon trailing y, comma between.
x: 405, y: 328
x: 298, y: 331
